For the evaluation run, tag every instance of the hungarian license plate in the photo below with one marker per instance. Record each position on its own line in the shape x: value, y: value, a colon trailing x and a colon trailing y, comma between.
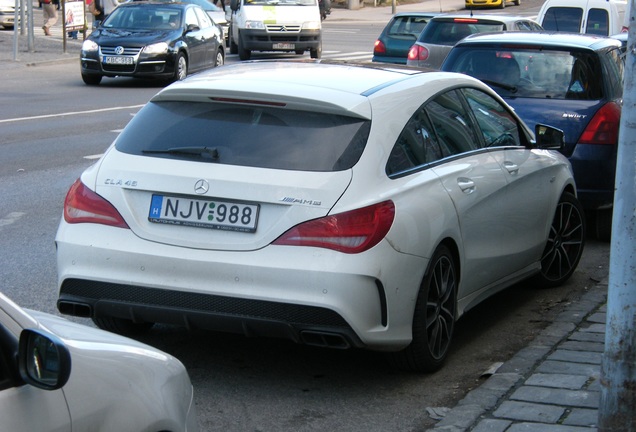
x: 204, y: 213
x: 119, y: 60
x: 281, y: 46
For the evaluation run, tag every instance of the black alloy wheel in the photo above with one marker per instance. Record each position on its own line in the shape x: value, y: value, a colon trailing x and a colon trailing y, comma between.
x: 434, y: 317
x: 565, y: 243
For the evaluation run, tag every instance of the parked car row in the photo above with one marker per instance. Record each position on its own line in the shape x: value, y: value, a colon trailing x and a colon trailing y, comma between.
x: 372, y: 214
x: 568, y: 80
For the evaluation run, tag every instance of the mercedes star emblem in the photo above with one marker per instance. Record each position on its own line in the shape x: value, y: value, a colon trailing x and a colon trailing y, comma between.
x: 201, y: 187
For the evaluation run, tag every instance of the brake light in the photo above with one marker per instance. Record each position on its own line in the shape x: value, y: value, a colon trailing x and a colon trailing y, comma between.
x: 418, y: 53
x: 350, y: 232
x: 504, y: 54
x: 603, y: 128
x: 82, y: 205
x: 379, y: 47
x: 465, y: 20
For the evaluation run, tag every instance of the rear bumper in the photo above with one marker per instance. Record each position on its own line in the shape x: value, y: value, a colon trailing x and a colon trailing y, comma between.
x: 594, y: 168
x: 308, y: 295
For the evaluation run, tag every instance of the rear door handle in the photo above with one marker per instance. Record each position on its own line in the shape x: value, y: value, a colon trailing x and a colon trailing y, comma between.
x: 511, y: 167
x: 466, y: 185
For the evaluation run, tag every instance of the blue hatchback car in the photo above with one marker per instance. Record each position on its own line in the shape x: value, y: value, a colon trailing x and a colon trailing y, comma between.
x: 572, y: 82
x: 399, y: 35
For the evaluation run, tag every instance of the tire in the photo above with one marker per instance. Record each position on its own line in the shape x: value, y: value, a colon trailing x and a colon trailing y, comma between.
x: 565, y: 242
x: 91, y: 79
x: 220, y: 58
x: 503, y: 4
x: 180, y: 68
x: 299, y: 52
x: 233, y: 45
x: 517, y: 2
x: 316, y: 53
x: 244, y: 54
x: 122, y: 326
x: 603, y: 225
x: 434, y: 317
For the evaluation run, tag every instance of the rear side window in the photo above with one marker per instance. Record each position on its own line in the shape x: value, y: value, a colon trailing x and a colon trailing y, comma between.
x: 264, y: 137
x: 563, y: 19
x: 408, y: 26
x: 442, y: 32
x: 597, y: 22
x: 417, y: 145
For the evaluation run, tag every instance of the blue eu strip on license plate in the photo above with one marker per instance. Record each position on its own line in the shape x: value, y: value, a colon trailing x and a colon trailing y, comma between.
x: 214, y: 214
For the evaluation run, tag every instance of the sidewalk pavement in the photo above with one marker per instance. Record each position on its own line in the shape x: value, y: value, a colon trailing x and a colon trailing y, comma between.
x: 552, y: 385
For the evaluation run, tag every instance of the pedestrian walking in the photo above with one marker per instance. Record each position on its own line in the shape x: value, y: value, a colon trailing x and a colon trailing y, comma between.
x: 50, y: 16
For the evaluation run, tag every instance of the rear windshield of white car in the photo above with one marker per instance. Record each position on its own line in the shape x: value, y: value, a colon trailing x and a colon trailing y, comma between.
x: 544, y: 74
x: 264, y: 137
x: 441, y: 32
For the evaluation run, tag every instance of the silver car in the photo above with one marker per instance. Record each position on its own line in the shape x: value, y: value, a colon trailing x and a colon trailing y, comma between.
x: 444, y: 31
x: 56, y: 375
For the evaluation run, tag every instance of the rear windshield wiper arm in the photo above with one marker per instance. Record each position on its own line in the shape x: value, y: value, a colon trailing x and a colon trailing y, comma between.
x: 200, y: 151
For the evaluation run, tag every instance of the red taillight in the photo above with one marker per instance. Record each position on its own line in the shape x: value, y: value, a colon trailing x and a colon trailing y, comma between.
x: 603, y: 128
x: 418, y: 53
x: 350, y: 232
x: 465, y: 20
x: 379, y: 47
x: 82, y: 205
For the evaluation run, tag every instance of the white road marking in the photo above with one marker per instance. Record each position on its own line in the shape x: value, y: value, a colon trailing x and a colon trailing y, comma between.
x: 10, y: 218
x: 70, y: 113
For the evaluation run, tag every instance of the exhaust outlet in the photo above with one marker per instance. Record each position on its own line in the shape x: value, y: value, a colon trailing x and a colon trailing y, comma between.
x: 77, y: 309
x: 324, y: 339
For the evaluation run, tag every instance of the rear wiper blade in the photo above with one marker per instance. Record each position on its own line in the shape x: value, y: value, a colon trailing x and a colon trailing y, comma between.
x: 199, y: 151
x: 510, y: 88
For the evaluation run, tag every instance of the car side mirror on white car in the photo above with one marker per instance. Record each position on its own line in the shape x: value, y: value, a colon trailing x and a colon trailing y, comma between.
x: 44, y: 361
x: 548, y: 137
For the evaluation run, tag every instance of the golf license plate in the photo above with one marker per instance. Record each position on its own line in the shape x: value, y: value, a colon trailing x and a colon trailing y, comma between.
x: 119, y: 60
x: 204, y: 213
x: 281, y: 46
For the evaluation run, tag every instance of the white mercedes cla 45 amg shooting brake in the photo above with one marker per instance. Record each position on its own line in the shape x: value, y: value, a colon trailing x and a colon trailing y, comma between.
x: 369, y: 209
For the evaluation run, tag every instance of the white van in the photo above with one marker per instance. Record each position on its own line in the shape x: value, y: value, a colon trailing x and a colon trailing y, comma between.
x: 283, y: 26
x: 599, y: 17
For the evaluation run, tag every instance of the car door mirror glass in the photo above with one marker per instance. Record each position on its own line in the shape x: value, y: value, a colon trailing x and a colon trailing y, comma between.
x: 43, y: 359
x: 548, y: 137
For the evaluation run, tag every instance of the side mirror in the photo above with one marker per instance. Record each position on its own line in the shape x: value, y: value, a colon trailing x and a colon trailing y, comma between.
x: 43, y: 359
x: 235, y: 5
x: 192, y: 27
x: 548, y: 137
